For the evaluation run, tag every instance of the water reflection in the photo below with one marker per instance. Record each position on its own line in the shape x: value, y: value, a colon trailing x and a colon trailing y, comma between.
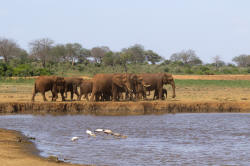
x: 180, y: 139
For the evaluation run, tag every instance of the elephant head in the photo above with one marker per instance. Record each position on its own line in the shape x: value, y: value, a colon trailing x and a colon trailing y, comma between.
x: 168, y: 79
x: 126, y: 81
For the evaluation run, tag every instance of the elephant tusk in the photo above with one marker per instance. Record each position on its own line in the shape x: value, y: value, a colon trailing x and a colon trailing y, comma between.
x: 146, y: 86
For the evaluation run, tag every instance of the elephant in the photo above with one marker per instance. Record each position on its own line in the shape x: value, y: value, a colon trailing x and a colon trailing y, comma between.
x: 71, y: 84
x: 85, y: 88
x: 113, y: 84
x: 124, y: 83
x: 164, y: 93
x: 155, y: 81
x: 102, y: 83
x: 48, y: 83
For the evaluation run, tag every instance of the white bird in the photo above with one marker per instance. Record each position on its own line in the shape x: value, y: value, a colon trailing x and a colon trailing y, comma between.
x: 99, y: 130
x: 90, y: 133
x: 107, y: 131
x: 116, y: 134
x: 74, y: 138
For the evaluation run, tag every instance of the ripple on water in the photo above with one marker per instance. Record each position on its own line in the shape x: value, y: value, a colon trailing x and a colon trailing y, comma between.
x: 180, y: 139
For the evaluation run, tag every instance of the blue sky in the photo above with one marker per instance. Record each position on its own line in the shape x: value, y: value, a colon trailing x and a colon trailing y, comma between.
x: 210, y: 27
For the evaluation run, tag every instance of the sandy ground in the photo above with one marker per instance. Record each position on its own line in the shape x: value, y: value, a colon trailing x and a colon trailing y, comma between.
x: 16, y: 150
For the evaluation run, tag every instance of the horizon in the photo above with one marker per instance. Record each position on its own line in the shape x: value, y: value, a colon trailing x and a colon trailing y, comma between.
x: 210, y: 28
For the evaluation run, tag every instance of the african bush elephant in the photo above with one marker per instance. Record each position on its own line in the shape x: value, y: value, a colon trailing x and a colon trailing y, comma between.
x: 164, y: 94
x: 156, y: 82
x: 71, y: 84
x: 46, y: 83
x: 85, y: 88
x: 113, y: 84
x: 102, y: 83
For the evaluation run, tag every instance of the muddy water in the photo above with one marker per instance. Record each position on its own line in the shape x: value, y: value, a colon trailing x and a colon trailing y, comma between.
x: 180, y: 139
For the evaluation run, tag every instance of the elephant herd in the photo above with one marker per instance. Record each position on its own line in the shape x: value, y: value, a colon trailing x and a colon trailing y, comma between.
x: 106, y: 87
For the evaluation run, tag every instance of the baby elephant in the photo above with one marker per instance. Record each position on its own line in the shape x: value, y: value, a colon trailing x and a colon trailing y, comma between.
x: 164, y: 92
x: 85, y: 88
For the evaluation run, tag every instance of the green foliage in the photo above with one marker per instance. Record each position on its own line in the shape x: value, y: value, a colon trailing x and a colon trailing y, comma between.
x: 43, y: 71
x: 23, y: 70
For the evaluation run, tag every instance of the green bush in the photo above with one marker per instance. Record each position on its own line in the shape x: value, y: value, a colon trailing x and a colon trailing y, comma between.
x: 23, y: 70
x: 42, y: 71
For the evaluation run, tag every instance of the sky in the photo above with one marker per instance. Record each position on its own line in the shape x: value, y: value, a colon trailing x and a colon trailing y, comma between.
x: 209, y: 27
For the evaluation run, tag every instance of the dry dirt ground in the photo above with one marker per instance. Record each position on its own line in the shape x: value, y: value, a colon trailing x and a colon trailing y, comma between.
x: 23, y: 92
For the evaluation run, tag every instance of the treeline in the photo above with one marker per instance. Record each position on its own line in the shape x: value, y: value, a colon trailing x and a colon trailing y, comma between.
x: 45, y: 57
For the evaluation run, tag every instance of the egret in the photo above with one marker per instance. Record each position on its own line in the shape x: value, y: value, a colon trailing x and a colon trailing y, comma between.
x: 107, y: 131
x: 90, y: 133
x: 74, y: 138
x: 99, y: 130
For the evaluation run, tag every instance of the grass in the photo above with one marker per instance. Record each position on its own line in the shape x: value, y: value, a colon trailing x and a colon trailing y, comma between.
x: 179, y: 83
x: 17, y: 81
x: 218, y: 83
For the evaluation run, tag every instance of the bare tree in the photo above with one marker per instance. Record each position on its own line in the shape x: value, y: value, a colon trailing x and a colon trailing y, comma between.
x: 187, y: 57
x: 40, y: 49
x: 217, y: 61
x: 8, y: 49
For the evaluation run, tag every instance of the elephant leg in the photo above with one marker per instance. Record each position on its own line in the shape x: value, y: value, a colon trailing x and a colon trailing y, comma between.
x: 114, y: 93
x: 93, y: 94
x: 86, y: 96
x: 154, y: 96
x: 33, y: 95
x: 63, y: 99
x: 78, y: 96
x: 160, y: 94
x: 71, y: 95
x: 44, y: 98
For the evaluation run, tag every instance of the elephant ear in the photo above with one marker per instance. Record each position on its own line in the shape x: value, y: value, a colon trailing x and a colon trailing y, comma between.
x: 118, y: 80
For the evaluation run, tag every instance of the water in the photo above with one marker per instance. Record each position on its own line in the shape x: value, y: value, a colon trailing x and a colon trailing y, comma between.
x: 180, y: 139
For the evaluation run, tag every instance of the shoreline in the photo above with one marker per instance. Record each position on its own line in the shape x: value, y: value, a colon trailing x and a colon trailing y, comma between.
x: 17, y: 150
x: 124, y: 108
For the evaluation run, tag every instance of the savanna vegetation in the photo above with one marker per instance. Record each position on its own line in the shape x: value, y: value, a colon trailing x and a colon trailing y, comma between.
x: 45, y: 57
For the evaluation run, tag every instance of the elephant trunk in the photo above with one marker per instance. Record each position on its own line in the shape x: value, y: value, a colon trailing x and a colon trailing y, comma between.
x: 173, y: 87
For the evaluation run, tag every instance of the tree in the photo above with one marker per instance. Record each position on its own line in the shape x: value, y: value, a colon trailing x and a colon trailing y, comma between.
x: 188, y: 57
x: 242, y: 60
x: 124, y: 59
x: 58, y: 54
x: 85, y: 53
x: 8, y: 49
x: 136, y: 52
x: 152, y: 57
x: 108, y: 59
x: 218, y: 62
x: 98, y: 53
x: 41, y: 48
x: 73, y: 52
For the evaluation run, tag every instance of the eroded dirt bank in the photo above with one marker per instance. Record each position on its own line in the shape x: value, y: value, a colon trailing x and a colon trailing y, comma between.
x: 123, y: 108
x: 17, y: 150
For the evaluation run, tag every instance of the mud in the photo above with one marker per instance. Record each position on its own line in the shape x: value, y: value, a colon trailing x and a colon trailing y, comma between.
x: 122, y: 108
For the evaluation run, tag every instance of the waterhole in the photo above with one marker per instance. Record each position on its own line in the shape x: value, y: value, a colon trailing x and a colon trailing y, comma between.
x: 171, y: 139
